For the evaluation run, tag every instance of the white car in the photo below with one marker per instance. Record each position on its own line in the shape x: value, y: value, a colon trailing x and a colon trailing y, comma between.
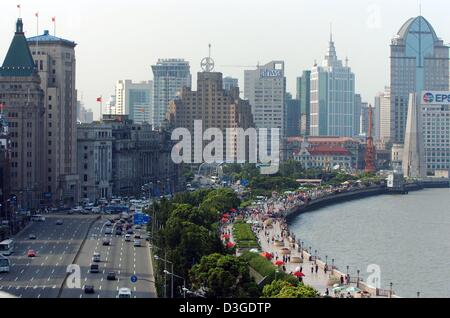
x: 124, y: 293
x: 128, y: 238
x: 96, y: 258
x: 137, y: 243
x: 108, y: 230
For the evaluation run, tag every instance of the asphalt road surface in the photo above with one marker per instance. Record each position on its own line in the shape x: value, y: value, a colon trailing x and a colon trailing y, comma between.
x: 58, y: 246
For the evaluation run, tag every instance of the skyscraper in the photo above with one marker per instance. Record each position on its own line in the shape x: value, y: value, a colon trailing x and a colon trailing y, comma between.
x: 56, y: 63
x: 357, y: 115
x: 292, y: 116
x: 419, y: 61
x: 215, y: 107
x: 23, y: 104
x: 135, y: 100
x: 265, y: 88
x: 169, y: 77
x: 332, y: 97
x: 229, y: 83
x: 385, y: 115
x: 304, y: 95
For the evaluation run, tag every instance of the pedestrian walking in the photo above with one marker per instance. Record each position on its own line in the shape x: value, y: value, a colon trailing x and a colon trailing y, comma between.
x: 312, y: 269
x: 317, y: 268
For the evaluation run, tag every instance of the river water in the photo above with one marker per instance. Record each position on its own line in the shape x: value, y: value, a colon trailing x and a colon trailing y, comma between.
x: 408, y: 237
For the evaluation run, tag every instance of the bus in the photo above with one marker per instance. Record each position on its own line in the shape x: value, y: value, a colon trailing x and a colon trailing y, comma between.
x: 4, y: 264
x: 7, y: 247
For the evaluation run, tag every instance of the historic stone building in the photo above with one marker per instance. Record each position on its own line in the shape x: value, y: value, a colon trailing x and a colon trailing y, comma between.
x: 23, y: 100
x: 117, y: 158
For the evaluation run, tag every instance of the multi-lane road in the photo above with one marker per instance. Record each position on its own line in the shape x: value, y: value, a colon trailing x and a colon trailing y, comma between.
x: 75, y: 242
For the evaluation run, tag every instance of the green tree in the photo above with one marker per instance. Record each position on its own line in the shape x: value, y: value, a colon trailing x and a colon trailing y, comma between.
x: 282, y: 289
x: 223, y: 276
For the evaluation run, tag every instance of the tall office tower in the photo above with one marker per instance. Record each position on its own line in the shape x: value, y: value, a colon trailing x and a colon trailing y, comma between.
x: 357, y: 115
x: 364, y: 120
x: 111, y: 106
x: 435, y: 111
x: 215, y: 107
x: 419, y: 61
x: 23, y: 103
x: 292, y: 116
x: 134, y: 100
x: 229, y: 83
x: 385, y: 115
x: 304, y: 95
x: 169, y: 78
x: 376, y: 118
x: 55, y: 59
x: 265, y: 88
x: 332, y: 97
x: 413, y: 162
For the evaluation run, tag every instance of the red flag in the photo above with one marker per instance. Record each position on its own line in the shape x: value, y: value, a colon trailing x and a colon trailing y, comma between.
x: 53, y: 19
x: 99, y: 99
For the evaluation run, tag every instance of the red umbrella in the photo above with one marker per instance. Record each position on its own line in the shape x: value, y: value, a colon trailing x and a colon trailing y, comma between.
x: 267, y: 255
x: 299, y: 274
x: 226, y: 236
x: 226, y: 215
x: 230, y: 245
x: 225, y: 220
x: 279, y: 263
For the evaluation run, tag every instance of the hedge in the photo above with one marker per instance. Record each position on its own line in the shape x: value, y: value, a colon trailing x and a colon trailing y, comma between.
x: 244, y: 236
x: 265, y: 267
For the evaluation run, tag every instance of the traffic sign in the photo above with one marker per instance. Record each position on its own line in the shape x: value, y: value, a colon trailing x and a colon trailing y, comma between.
x: 141, y: 219
x: 134, y: 279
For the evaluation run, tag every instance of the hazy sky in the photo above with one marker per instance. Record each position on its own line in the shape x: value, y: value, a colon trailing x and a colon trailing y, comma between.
x: 122, y: 39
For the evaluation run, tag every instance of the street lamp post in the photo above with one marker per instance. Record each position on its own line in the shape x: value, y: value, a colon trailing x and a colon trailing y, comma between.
x: 165, y: 277
x: 390, y: 289
x: 332, y: 263
x: 326, y: 259
x: 357, y: 282
x: 418, y: 294
x: 184, y: 282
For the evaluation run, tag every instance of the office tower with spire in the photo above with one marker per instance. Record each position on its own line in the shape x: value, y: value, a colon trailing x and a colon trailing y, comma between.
x: 23, y: 104
x: 332, y: 97
x: 169, y: 78
x: 419, y: 61
x: 56, y: 64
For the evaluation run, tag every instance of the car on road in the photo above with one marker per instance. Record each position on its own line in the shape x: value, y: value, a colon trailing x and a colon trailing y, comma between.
x: 94, y: 268
x: 59, y: 222
x: 124, y: 293
x: 77, y: 209
x: 31, y: 253
x: 108, y: 230
x: 106, y: 242
x: 118, y: 232
x: 137, y: 243
x: 96, y: 258
x: 137, y: 236
x: 108, y: 223
x: 89, y: 289
x: 130, y: 231
x: 96, y: 210
x: 32, y: 237
x: 111, y: 276
x: 70, y: 212
x: 137, y: 227
x: 128, y: 238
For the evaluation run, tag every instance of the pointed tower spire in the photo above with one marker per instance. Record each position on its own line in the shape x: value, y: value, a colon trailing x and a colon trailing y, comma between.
x: 18, y: 61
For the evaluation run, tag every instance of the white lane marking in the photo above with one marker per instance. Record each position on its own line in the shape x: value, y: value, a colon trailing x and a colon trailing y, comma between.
x: 16, y: 279
x: 39, y: 296
x: 53, y: 271
x: 48, y: 279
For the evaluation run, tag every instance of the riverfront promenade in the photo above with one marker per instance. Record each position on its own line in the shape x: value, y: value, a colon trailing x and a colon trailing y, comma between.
x: 268, y: 219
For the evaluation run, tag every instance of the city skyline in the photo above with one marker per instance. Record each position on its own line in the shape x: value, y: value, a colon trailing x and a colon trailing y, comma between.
x: 374, y: 23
